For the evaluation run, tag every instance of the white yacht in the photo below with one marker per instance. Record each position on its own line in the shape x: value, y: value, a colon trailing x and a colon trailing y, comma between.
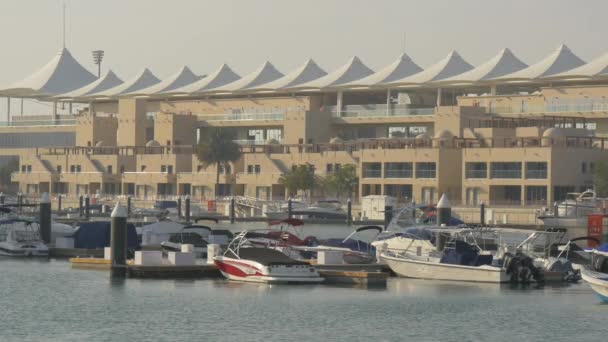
x: 573, y: 211
x: 21, y: 238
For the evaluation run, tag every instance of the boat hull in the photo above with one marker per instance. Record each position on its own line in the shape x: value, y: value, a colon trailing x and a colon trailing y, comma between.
x: 250, y: 271
x: 598, y: 282
x: 410, y: 268
x: 13, y: 251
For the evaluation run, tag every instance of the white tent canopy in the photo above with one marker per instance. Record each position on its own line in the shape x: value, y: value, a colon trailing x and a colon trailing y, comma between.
x: 220, y: 77
x: 560, y: 60
x: 106, y: 81
x: 353, y: 70
x: 143, y: 80
x: 264, y: 74
x: 597, y: 68
x: 307, y: 72
x: 184, y: 76
x: 60, y: 75
x: 450, y: 66
x: 505, y: 62
x: 403, y: 67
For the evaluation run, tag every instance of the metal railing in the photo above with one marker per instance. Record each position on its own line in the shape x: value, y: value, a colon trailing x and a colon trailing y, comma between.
x: 426, y: 173
x: 372, y: 173
x: 565, y: 107
x: 243, y: 116
x: 26, y: 123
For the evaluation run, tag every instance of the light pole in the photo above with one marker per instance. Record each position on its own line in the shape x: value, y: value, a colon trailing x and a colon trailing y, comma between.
x: 97, y: 58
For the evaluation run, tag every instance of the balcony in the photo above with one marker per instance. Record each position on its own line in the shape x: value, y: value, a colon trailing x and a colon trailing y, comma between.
x: 477, y: 174
x: 273, y: 116
x: 372, y: 173
x: 377, y: 111
x: 506, y: 174
x: 398, y: 173
x: 587, y: 106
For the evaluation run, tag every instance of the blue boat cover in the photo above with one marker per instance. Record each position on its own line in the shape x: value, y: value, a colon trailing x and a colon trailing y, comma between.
x: 603, y: 247
x: 92, y: 235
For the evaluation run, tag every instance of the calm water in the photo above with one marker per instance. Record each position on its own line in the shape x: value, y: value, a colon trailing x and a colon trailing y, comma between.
x: 48, y: 301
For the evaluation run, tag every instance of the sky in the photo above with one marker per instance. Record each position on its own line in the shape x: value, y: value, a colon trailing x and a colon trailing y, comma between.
x: 165, y: 35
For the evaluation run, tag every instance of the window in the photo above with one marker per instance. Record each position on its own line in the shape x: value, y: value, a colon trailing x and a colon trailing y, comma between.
x: 473, y: 196
x: 398, y: 170
x: 536, y: 170
x: 29, y: 168
x: 476, y: 170
x: 330, y: 168
x: 397, y: 132
x: 536, y: 195
x: 199, y: 168
x: 122, y: 169
x: 170, y: 169
x: 249, y: 169
x: 415, y: 130
x: 428, y: 195
x: 109, y: 169
x: 372, y: 170
x: 255, y: 135
x: 337, y: 167
x: 78, y: 168
x: 143, y: 168
x: 274, y: 134
x: 366, y: 132
x: 23, y: 168
x: 426, y: 170
x: 58, y: 168
x: 72, y: 168
x: 258, y: 169
x: 228, y: 169
x: 163, y: 168
x: 506, y: 170
x: 584, y: 167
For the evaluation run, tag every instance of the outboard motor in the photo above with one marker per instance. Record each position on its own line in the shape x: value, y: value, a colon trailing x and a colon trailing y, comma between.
x: 521, y: 269
x: 599, y: 263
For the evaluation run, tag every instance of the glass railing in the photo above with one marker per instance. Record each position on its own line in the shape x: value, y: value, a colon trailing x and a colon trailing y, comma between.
x: 372, y: 173
x: 477, y: 174
x: 506, y: 174
x: 425, y: 173
x: 536, y: 174
x: 23, y: 123
x: 398, y: 173
x: 242, y: 117
x: 377, y: 110
x: 565, y: 107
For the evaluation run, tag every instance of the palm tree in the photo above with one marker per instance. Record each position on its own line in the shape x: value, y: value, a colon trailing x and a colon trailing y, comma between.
x: 219, y: 148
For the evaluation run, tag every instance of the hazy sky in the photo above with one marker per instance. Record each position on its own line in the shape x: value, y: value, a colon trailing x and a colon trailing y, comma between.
x: 164, y: 35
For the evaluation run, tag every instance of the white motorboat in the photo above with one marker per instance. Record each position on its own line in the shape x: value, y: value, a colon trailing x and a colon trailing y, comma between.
x: 199, y: 237
x: 573, y: 211
x: 152, y: 235
x: 324, y: 209
x: 241, y: 262
x: 21, y: 238
x: 597, y: 275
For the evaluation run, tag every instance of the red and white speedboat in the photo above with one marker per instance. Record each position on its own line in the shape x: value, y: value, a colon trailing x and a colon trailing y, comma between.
x: 242, y: 262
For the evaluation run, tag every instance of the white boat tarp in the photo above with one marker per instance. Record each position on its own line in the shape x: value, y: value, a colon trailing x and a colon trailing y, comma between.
x: 353, y: 70
x: 597, y: 68
x: 453, y: 64
x: 220, y: 77
x: 505, y: 62
x: 264, y: 74
x: 143, y: 80
x: 560, y: 60
x: 307, y: 72
x: 106, y: 81
x: 60, y: 75
x: 403, y: 67
x: 183, y: 77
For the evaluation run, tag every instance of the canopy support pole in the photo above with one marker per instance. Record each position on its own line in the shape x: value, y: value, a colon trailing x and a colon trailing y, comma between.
x: 91, y: 109
x: 339, y: 103
x: 8, y: 109
x: 438, y: 97
x: 493, y: 90
x: 55, y: 110
x: 388, y: 102
x: 22, y: 106
x: 70, y: 108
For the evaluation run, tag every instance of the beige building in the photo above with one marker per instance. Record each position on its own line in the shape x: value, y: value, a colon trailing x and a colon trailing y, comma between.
x: 447, y: 129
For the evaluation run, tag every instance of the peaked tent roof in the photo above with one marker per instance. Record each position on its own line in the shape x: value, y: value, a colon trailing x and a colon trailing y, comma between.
x: 106, y: 81
x: 220, y: 77
x: 353, y: 70
x: 307, y: 72
x: 403, y: 67
x: 182, y: 77
x: 453, y: 64
x: 264, y: 74
x: 597, y: 68
x: 560, y: 60
x: 61, y: 74
x: 143, y: 80
x: 505, y: 62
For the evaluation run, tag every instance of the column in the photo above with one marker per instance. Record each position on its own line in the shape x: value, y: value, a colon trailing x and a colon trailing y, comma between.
x: 493, y: 90
x: 339, y: 103
x: 388, y: 102
x: 22, y: 106
x: 438, y: 97
x: 8, y: 109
